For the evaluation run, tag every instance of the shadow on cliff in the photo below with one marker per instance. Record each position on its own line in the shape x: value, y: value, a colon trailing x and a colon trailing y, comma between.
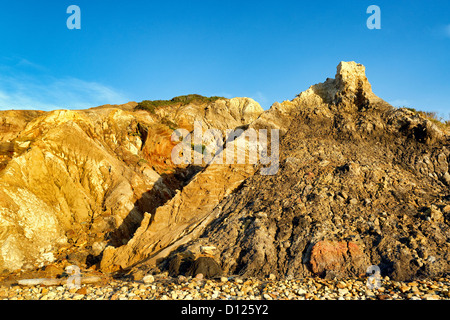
x: 163, y: 191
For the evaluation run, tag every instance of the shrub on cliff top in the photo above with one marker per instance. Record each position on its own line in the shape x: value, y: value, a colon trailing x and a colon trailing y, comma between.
x: 152, y: 105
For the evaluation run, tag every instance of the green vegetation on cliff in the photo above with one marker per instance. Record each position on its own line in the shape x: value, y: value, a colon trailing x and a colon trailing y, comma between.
x: 152, y: 105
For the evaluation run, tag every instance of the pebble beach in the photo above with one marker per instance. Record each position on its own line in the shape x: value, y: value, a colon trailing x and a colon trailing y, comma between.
x: 234, y: 288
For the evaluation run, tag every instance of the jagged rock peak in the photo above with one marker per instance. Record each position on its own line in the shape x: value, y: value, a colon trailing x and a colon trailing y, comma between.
x: 351, y: 76
x: 350, y: 90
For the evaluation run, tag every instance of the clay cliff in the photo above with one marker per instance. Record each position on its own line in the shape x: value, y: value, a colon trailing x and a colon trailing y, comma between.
x: 359, y: 183
x: 74, y: 182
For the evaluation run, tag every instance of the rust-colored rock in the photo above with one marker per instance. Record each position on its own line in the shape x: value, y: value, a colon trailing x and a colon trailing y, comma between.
x: 336, y: 256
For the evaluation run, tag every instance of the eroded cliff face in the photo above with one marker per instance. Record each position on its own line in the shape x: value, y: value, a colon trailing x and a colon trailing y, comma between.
x: 73, y: 182
x: 360, y: 183
x: 67, y: 184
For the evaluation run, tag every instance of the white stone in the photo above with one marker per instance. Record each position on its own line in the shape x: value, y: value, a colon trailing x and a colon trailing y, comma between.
x: 148, y: 279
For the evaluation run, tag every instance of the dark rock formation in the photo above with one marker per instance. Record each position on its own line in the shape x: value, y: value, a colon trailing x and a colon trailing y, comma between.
x: 360, y: 183
x: 207, y: 266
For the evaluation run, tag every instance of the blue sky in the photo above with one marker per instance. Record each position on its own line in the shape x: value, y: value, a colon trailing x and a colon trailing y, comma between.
x: 268, y: 50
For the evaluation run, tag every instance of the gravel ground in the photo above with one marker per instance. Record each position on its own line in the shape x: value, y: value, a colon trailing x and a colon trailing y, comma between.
x: 233, y: 288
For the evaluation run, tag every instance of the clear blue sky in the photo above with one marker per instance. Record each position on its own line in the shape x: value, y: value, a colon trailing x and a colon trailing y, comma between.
x: 268, y: 50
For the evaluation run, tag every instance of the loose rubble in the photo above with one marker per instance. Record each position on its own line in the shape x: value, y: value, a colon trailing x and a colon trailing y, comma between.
x: 235, y: 288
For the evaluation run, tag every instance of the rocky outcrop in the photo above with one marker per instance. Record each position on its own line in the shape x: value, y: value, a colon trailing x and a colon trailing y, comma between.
x: 69, y: 186
x: 180, y: 220
x: 360, y: 183
x: 337, y: 258
x: 74, y: 182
